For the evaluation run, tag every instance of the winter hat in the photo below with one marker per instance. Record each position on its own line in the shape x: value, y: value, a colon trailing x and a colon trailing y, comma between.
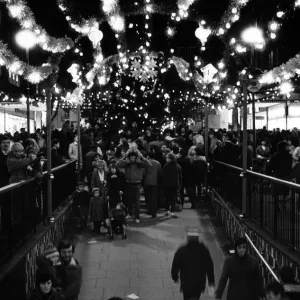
x: 43, y: 276
x: 95, y: 189
x: 240, y: 241
x: 17, y: 147
x: 50, y: 253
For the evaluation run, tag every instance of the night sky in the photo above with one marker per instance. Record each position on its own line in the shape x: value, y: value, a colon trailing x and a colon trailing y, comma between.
x: 184, y: 42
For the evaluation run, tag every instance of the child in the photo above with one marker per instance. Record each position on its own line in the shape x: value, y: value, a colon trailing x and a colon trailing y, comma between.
x: 115, y: 186
x: 118, y: 219
x: 49, y: 260
x: 98, y: 210
x: 82, y: 203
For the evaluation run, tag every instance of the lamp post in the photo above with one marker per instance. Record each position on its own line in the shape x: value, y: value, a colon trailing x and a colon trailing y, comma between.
x: 253, y: 36
x: 285, y: 89
x: 27, y: 40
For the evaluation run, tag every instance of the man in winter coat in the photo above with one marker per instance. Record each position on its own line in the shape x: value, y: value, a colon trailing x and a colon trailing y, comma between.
x: 151, y: 183
x: 69, y: 273
x: 134, y: 164
x: 243, y: 273
x: 171, y: 182
x: 4, y: 151
x: 194, y: 264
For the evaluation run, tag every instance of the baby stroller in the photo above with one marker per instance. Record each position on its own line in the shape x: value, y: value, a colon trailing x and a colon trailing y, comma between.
x: 117, y: 220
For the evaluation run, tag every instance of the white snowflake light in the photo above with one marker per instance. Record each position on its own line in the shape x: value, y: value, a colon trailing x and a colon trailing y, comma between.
x: 146, y: 72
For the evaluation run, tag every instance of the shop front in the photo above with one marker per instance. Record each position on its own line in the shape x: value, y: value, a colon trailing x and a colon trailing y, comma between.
x: 14, y: 118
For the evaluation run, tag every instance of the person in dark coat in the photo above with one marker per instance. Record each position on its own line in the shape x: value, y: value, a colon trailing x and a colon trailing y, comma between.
x: 69, y: 272
x: 4, y: 151
x: 280, y: 166
x: 199, y: 165
x: 230, y: 150
x: 243, y: 273
x: 194, y: 264
x: 56, y: 159
x: 82, y: 203
x: 116, y: 183
x: 171, y: 182
x: 17, y: 163
x: 65, y: 139
x: 44, y: 289
x: 152, y: 179
x: 89, y: 163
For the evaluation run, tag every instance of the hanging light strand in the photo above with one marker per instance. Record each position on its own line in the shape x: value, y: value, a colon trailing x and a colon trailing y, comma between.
x: 22, y: 13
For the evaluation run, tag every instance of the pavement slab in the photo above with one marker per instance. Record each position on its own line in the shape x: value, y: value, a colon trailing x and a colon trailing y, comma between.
x: 141, y: 264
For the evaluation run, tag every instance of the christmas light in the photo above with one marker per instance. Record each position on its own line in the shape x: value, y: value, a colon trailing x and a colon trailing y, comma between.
x: 280, y: 14
x: 274, y: 26
x: 202, y: 34
x: 117, y: 23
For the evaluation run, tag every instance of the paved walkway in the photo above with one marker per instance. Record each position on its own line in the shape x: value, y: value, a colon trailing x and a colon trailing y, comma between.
x: 141, y: 264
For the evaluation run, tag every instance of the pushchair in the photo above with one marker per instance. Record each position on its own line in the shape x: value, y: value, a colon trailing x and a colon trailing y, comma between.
x: 117, y: 220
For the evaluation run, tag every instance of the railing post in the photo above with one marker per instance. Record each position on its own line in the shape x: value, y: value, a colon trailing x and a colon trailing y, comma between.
x: 79, y: 143
x: 293, y: 211
x: 49, y: 161
x: 245, y: 148
x: 275, y: 214
x: 261, y: 203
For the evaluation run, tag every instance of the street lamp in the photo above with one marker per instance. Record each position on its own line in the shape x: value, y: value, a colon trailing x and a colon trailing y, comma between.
x: 254, y: 37
x: 285, y: 89
x: 27, y: 40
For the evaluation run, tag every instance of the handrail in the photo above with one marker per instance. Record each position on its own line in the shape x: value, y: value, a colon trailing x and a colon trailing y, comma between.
x: 23, y: 182
x: 247, y: 237
x: 263, y: 176
x: 229, y: 166
x: 277, y: 180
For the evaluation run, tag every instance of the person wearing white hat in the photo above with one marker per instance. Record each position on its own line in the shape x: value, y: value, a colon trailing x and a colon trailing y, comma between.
x: 194, y: 266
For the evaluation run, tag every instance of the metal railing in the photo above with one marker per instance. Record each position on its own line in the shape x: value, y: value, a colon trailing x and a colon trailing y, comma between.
x: 23, y: 206
x: 272, y: 203
x: 267, y: 272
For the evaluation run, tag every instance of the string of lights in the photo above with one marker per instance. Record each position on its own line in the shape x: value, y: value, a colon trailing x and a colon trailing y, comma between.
x: 22, y: 13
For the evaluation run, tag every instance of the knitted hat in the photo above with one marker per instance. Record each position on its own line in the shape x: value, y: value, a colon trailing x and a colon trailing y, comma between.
x: 95, y: 189
x: 50, y: 253
x: 240, y: 241
x: 17, y: 147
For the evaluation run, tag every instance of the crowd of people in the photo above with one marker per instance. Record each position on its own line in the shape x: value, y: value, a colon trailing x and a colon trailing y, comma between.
x: 116, y: 166
x: 59, y: 274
